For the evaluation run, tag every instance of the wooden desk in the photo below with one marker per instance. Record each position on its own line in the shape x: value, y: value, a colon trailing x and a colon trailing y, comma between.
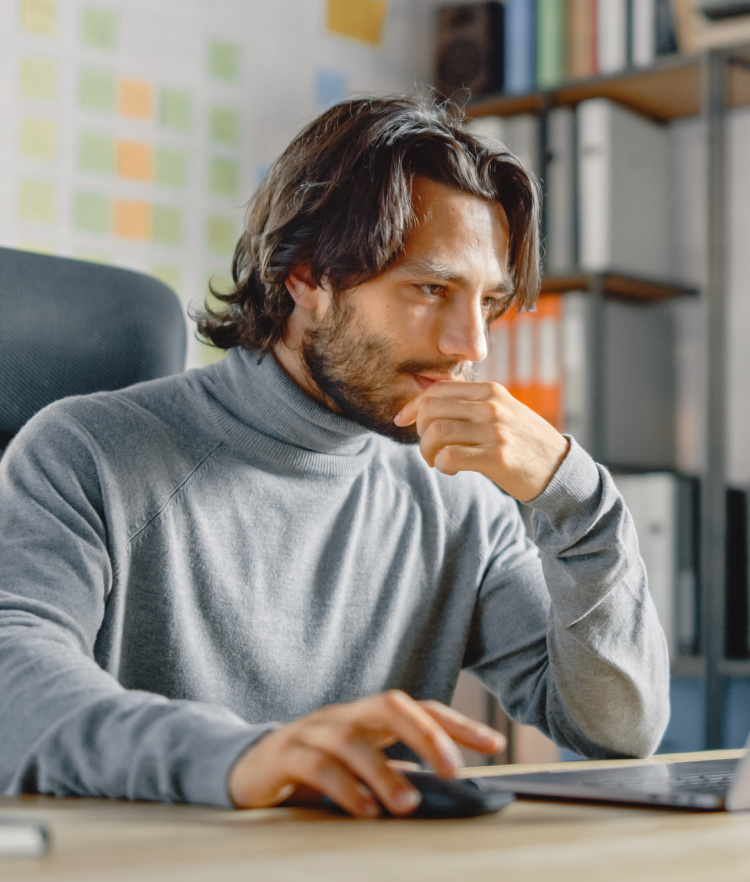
x: 528, y: 841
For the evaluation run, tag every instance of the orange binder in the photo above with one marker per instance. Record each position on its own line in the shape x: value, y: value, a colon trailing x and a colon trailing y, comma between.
x: 525, y: 356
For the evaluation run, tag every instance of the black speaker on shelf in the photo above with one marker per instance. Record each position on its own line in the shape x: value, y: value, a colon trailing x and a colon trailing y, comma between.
x: 470, y: 49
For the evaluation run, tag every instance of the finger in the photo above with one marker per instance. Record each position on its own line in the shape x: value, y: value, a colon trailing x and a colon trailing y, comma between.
x: 462, y: 729
x: 455, y: 458
x: 396, y: 716
x: 404, y: 765
x: 368, y: 764
x: 443, y: 432
x: 328, y: 775
x: 444, y: 388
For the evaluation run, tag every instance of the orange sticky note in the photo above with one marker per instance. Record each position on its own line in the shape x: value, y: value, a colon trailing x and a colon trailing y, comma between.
x: 135, y: 160
x: 135, y: 99
x: 360, y: 19
x: 132, y: 219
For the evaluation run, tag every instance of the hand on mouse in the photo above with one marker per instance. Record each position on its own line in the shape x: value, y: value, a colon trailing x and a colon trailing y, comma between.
x: 338, y: 752
x: 481, y: 427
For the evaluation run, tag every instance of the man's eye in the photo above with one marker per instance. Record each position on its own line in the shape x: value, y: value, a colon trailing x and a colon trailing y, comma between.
x: 495, y: 307
x: 432, y: 290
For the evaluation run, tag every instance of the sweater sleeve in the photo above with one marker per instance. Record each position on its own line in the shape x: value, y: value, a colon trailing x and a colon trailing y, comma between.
x: 67, y: 726
x: 587, y: 662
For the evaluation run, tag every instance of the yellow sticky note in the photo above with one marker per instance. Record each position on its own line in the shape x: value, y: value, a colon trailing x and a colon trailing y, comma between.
x: 360, y: 19
x: 135, y: 160
x: 39, y: 139
x: 135, y: 99
x: 39, y: 16
x: 39, y: 78
x: 132, y: 220
x: 37, y: 202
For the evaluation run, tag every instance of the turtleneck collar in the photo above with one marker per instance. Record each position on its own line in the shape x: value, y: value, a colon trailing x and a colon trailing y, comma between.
x: 263, y: 412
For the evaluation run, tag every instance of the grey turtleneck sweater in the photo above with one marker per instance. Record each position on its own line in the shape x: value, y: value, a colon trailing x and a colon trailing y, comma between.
x: 188, y: 562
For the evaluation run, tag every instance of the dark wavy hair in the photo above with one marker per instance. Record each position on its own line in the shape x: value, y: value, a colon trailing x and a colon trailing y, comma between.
x: 338, y: 199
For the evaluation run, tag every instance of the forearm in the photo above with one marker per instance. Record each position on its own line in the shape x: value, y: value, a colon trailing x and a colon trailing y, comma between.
x: 566, y: 634
x: 607, y: 650
x: 68, y: 728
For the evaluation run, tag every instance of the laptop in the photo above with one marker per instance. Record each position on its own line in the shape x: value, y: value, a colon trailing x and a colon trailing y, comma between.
x: 702, y: 784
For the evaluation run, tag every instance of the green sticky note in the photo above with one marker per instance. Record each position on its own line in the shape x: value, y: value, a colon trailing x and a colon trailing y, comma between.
x: 98, y: 27
x: 166, y: 273
x: 92, y: 212
x: 224, y: 176
x: 37, y: 202
x: 166, y: 225
x: 96, y: 153
x: 39, y: 139
x: 171, y: 167
x: 39, y: 17
x: 97, y: 90
x: 221, y: 234
x: 38, y: 78
x: 176, y: 109
x: 223, y: 60
x: 224, y: 124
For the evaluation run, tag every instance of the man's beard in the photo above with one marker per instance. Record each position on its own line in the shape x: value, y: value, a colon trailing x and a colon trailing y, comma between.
x: 356, y: 373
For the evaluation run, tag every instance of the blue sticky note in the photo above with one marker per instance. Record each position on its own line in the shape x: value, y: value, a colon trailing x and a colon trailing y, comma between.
x: 330, y: 86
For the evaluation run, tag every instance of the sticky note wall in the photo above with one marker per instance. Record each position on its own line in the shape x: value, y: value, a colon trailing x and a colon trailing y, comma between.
x: 135, y: 132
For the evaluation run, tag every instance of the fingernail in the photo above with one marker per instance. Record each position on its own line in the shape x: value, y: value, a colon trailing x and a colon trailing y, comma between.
x: 406, y: 800
x: 488, y: 735
x: 370, y: 809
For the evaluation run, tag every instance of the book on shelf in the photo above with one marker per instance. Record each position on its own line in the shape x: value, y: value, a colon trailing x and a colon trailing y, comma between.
x: 664, y: 508
x: 623, y: 174
x: 613, y: 35
x: 550, y: 43
x: 643, y: 33
x: 519, y: 48
x: 581, y: 40
x: 601, y: 370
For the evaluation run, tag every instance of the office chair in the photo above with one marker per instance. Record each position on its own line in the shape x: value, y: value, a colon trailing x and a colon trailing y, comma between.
x: 68, y: 327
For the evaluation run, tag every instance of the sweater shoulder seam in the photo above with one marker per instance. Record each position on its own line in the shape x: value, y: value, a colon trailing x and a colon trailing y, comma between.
x: 157, y: 514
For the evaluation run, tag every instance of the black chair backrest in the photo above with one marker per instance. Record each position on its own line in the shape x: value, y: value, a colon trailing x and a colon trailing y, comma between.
x: 68, y: 327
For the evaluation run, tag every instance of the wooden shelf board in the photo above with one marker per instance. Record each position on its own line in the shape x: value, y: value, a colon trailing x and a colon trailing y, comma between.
x: 669, y: 90
x: 618, y: 286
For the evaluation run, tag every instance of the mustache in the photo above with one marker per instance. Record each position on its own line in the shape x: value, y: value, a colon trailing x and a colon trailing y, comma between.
x: 466, y: 371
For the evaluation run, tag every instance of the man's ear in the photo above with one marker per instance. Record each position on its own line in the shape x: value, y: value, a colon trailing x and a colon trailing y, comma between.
x: 303, y: 288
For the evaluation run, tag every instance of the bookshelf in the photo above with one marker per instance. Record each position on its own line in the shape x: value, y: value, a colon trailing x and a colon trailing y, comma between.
x: 705, y: 84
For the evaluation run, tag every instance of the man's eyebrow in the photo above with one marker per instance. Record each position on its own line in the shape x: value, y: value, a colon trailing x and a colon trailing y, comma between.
x: 428, y: 266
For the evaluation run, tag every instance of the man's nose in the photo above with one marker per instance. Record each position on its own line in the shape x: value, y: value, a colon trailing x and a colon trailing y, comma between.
x: 464, y: 333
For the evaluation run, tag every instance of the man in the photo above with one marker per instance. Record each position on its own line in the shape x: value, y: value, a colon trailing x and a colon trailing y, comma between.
x: 244, y: 583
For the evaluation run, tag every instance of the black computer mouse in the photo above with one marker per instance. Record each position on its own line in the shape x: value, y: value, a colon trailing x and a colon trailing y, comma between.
x: 449, y: 797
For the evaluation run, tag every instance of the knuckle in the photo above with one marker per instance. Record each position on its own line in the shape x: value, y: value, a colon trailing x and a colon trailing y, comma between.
x: 315, y: 765
x: 396, y: 699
